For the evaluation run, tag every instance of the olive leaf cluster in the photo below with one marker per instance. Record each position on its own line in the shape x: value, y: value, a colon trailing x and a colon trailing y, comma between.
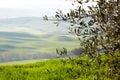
x: 101, y: 32
x: 98, y: 29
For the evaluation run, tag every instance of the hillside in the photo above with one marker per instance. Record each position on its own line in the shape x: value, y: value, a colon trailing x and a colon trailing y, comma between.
x: 82, y: 68
x: 29, y: 38
x: 16, y: 46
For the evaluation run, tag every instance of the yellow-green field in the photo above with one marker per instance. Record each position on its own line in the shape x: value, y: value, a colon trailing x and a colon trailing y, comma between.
x: 43, y: 43
x: 61, y: 69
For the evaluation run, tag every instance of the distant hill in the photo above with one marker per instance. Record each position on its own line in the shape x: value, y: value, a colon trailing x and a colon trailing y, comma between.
x: 26, y: 38
x: 15, y: 34
x: 62, y: 38
x: 34, y: 25
x: 19, y: 21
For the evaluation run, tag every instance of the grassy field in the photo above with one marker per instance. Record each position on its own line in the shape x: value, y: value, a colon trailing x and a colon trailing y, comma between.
x: 61, y: 69
x: 31, y: 35
x: 43, y: 43
x: 22, y: 62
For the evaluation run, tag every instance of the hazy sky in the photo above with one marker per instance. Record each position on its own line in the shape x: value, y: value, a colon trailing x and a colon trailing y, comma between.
x: 31, y: 3
x: 34, y: 7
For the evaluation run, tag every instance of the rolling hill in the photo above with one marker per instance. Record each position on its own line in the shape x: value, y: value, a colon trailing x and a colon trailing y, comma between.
x: 21, y: 42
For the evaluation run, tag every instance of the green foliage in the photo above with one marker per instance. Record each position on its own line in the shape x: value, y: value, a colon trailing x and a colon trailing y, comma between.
x: 83, y: 68
x: 101, y: 33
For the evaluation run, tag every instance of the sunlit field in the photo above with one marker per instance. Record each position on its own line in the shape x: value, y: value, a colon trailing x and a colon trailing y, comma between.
x: 60, y: 69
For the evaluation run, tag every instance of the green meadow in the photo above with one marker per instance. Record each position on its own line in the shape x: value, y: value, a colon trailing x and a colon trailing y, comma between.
x: 57, y: 69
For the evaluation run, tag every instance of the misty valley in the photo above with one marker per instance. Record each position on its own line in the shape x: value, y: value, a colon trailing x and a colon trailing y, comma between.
x: 30, y: 38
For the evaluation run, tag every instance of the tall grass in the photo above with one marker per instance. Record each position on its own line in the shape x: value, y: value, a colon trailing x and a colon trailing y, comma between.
x: 61, y: 69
